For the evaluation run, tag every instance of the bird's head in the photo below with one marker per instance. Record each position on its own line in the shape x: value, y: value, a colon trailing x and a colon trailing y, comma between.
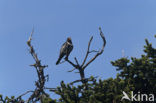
x: 69, y: 40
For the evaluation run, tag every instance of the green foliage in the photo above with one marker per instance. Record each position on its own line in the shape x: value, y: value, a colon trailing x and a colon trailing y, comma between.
x: 10, y: 100
x: 140, y: 74
x: 48, y: 100
x: 135, y: 74
x: 101, y: 91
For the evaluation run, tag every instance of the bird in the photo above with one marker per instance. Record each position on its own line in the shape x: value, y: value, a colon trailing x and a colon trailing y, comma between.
x: 66, y: 49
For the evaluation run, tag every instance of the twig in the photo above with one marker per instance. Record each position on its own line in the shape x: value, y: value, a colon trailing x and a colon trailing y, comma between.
x: 76, y: 66
x: 87, y: 51
x: 72, y: 70
x: 85, y: 79
x: 93, y: 51
x: 76, y: 61
x: 82, y: 67
x: 62, y: 62
x: 40, y: 72
x: 24, y: 94
x: 51, y: 89
x: 100, y: 52
x: 75, y: 81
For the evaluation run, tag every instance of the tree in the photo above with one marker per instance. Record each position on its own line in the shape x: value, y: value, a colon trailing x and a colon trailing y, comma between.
x: 139, y: 74
x: 135, y: 74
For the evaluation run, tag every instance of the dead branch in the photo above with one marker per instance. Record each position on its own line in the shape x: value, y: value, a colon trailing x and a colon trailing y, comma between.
x: 74, y: 65
x: 39, y: 91
x: 82, y: 67
x: 99, y: 53
x: 84, y: 80
x: 72, y: 70
x: 93, y: 51
x: 87, y: 50
x: 76, y: 61
x: 51, y: 89
x: 24, y: 94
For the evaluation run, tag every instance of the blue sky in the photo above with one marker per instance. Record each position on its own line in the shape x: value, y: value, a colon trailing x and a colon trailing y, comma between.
x: 125, y: 23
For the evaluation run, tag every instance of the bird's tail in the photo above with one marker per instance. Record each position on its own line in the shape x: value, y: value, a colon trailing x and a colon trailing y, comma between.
x: 58, y: 61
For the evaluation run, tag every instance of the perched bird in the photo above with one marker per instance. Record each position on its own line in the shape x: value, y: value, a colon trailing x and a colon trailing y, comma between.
x: 66, y: 48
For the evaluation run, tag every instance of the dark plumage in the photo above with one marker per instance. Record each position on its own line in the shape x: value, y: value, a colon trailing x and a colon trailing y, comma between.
x: 66, y: 48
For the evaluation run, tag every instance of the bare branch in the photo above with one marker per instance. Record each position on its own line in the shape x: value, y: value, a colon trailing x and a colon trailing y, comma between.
x: 30, y: 38
x: 87, y: 51
x: 82, y: 80
x: 76, y: 66
x: 40, y: 73
x: 51, y: 89
x: 72, y: 70
x: 76, y: 61
x: 75, y: 81
x: 24, y: 94
x: 62, y: 62
x: 82, y: 67
x: 100, y: 52
x: 93, y: 51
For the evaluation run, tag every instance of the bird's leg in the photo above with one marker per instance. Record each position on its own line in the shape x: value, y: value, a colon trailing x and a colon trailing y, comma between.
x: 66, y: 58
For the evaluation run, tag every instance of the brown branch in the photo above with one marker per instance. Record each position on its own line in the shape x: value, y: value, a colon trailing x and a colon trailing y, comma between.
x: 76, y: 61
x: 83, y: 80
x: 51, y: 89
x: 74, y: 65
x: 71, y: 70
x: 87, y: 51
x: 24, y: 94
x: 82, y: 67
x: 93, y: 51
x: 76, y: 81
x: 62, y: 62
x: 100, y: 52
x: 40, y: 73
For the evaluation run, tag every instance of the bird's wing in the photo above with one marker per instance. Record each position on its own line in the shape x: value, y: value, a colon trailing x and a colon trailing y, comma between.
x: 69, y: 47
x: 63, y: 48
